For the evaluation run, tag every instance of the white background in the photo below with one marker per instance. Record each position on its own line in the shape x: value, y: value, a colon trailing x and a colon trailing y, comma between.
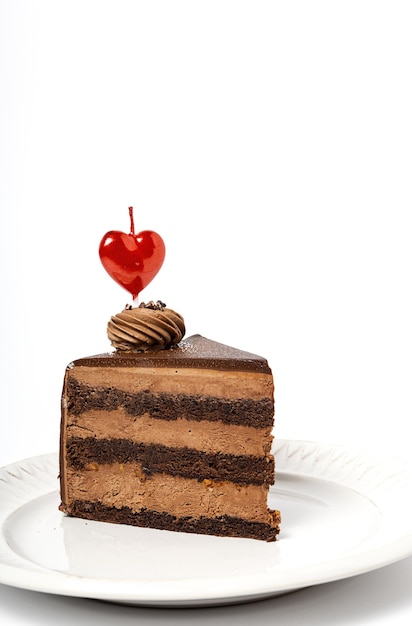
x: 270, y: 144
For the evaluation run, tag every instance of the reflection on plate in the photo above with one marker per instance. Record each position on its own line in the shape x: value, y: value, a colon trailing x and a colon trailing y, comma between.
x: 343, y: 513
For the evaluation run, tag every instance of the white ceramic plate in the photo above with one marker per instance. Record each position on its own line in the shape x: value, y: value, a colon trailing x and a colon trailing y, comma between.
x: 343, y: 513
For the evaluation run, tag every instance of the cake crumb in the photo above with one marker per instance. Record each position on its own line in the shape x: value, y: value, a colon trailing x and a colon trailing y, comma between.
x: 91, y: 467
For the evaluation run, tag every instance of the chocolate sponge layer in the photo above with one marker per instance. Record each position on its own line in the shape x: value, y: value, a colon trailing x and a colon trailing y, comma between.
x: 221, y: 526
x: 155, y: 458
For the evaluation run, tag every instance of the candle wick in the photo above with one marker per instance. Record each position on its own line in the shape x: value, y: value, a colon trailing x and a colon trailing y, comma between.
x: 131, y: 220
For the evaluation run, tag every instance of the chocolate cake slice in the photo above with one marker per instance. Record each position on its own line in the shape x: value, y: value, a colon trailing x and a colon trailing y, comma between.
x: 176, y: 439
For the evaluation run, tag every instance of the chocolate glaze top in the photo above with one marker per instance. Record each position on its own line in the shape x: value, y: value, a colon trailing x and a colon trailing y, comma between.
x: 195, y: 351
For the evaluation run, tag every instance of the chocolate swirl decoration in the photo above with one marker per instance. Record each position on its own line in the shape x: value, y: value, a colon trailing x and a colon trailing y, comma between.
x: 149, y: 326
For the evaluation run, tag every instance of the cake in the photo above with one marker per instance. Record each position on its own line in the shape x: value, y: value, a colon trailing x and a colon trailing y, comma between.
x: 169, y: 432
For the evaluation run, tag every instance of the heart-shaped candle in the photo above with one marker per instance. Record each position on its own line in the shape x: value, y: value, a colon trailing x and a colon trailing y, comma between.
x: 132, y: 260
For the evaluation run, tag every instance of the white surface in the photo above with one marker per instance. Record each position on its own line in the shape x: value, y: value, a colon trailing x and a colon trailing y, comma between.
x: 344, y: 513
x: 269, y: 144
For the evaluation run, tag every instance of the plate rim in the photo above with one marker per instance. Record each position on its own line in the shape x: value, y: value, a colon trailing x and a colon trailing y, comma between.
x: 236, y: 589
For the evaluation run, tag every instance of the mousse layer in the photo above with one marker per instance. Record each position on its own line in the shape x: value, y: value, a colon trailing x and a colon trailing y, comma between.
x: 211, y: 437
x: 188, y: 380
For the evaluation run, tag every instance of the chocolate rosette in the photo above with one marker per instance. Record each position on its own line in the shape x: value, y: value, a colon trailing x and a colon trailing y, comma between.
x: 149, y: 326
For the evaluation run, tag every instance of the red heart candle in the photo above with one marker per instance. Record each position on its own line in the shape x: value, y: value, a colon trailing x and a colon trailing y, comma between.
x: 132, y: 260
